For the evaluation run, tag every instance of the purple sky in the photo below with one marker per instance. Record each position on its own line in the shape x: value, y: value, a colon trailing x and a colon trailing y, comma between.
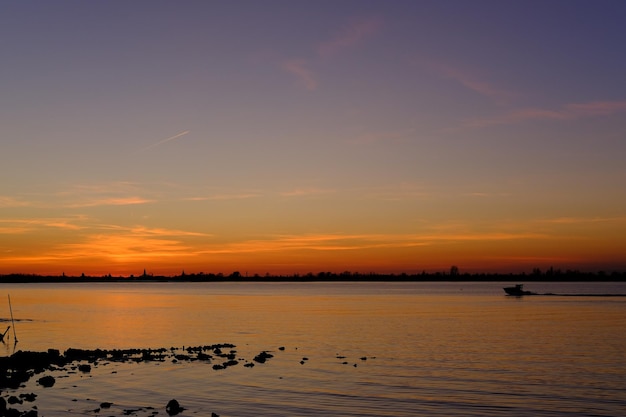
x: 284, y: 136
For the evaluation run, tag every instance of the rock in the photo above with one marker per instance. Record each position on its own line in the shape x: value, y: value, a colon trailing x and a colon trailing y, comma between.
x: 84, y: 368
x: 229, y: 363
x: 106, y: 405
x: 37, y: 361
x: 14, y: 400
x: 262, y: 357
x: 46, y: 381
x: 28, y: 397
x: 12, y: 412
x: 173, y: 408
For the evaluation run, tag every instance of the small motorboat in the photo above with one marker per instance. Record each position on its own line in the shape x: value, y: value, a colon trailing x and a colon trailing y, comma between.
x: 517, y: 290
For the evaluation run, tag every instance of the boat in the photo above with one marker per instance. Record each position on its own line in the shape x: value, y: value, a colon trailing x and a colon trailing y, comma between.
x: 517, y: 290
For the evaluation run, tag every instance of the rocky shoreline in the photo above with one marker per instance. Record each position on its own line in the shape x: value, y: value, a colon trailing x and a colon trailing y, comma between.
x: 19, y: 368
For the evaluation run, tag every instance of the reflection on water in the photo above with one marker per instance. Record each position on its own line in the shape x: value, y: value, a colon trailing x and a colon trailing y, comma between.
x: 419, y: 348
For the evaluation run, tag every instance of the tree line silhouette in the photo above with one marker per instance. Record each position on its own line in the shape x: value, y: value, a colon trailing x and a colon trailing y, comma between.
x: 453, y: 274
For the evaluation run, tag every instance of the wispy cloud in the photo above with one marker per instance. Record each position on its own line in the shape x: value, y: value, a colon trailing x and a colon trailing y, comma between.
x: 570, y: 111
x: 116, y: 193
x: 399, y: 192
x: 8, y: 201
x: 473, y: 83
x: 171, y: 138
x: 112, y: 201
x: 583, y: 220
x: 306, y: 191
x: 18, y: 226
x: 132, y: 244
x: 76, y: 196
x: 225, y: 197
x: 149, y: 231
x: 14, y: 229
x: 299, y: 68
x: 113, y: 243
x: 101, y: 188
x: 328, y: 242
x: 351, y: 34
x: 595, y: 108
x: 523, y: 262
x: 355, y: 242
x: 122, y: 248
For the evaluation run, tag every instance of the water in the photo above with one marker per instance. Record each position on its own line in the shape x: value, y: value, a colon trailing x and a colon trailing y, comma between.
x: 453, y: 349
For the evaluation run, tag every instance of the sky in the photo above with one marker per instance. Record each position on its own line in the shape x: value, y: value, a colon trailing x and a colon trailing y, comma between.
x: 288, y: 137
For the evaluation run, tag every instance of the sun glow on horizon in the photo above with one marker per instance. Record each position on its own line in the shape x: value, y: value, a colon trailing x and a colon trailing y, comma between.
x: 125, y: 251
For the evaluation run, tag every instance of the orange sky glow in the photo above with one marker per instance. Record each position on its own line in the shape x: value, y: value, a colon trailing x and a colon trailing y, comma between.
x: 383, y: 137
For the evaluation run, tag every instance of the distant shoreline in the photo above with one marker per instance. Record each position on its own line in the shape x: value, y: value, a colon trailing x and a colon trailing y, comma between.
x: 557, y: 276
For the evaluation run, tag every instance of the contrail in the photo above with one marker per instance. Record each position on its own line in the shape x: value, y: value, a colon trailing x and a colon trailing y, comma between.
x: 161, y: 142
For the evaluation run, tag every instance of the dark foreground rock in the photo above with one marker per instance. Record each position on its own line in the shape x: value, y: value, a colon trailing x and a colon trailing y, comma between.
x: 46, y: 381
x: 263, y: 357
x: 173, y: 407
x: 19, y: 368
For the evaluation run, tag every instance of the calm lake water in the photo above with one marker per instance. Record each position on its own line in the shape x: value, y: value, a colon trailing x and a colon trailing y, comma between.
x: 431, y: 349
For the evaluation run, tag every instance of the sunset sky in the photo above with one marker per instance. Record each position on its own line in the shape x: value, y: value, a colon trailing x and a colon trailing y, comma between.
x: 303, y: 136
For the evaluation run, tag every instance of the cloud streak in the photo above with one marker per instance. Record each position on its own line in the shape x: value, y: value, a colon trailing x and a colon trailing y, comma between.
x: 171, y: 138
x: 20, y: 226
x: 354, y: 32
x: 357, y: 242
x: 225, y: 197
x: 118, y: 193
x: 305, y: 192
x: 111, y: 243
x: 298, y: 68
x: 485, y: 89
x: 351, y: 34
x: 583, y: 220
x: 112, y: 201
x: 7, y: 201
x: 570, y: 111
